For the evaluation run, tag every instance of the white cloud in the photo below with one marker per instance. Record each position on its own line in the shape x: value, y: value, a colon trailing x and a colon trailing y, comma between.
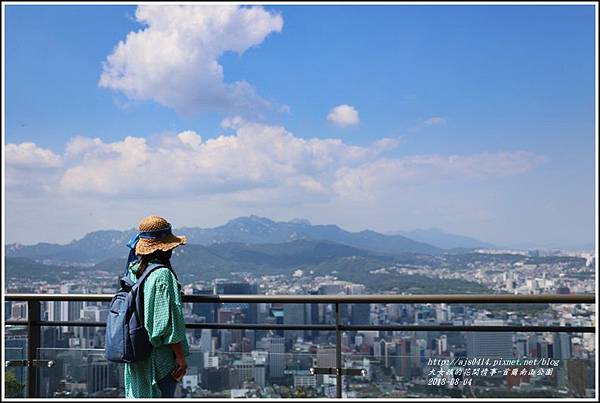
x: 434, y: 121
x: 385, y: 173
x: 343, y: 116
x: 29, y: 155
x: 174, y: 59
x: 115, y: 168
x: 29, y: 168
x: 255, y: 161
x: 190, y: 138
x: 257, y: 156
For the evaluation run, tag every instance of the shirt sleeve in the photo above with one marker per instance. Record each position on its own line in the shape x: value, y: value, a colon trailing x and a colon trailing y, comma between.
x: 163, y: 308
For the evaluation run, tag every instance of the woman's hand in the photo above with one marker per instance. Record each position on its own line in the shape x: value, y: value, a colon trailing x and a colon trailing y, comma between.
x: 181, y: 367
x: 179, y: 360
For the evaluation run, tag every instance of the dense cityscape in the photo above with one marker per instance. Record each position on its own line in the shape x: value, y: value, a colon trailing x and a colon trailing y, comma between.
x: 261, y: 363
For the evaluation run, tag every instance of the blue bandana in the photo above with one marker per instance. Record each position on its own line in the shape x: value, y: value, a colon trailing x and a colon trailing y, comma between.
x: 156, y: 234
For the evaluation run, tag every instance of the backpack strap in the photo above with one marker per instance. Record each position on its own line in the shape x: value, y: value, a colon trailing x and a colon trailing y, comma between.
x: 126, y: 283
x: 150, y: 268
x: 138, y: 288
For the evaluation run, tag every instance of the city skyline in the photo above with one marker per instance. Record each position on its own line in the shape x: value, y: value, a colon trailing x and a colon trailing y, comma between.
x: 235, y: 362
x: 475, y: 119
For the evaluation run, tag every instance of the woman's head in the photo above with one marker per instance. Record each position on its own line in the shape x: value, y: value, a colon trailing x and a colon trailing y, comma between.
x: 154, y: 240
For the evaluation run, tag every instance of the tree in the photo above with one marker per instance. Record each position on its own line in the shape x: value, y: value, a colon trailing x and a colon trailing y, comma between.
x: 12, y: 387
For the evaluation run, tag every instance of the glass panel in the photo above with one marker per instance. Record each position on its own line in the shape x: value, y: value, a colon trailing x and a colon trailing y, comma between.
x: 274, y: 364
x: 222, y: 363
x: 472, y: 364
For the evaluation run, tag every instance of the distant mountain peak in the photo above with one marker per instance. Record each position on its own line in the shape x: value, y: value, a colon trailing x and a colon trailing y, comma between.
x: 254, y: 219
x: 250, y: 224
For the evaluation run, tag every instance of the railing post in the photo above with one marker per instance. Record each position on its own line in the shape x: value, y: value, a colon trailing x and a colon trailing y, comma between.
x: 338, y: 352
x: 33, y: 344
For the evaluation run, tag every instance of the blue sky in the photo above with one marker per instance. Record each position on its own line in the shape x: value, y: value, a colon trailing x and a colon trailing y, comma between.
x: 506, y: 92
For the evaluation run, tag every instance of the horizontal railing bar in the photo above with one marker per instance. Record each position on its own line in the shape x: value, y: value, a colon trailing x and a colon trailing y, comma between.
x: 475, y: 328
x: 248, y: 326
x: 75, y: 323
x: 15, y: 322
x: 59, y: 297
x: 258, y: 326
x: 261, y: 326
x: 321, y: 299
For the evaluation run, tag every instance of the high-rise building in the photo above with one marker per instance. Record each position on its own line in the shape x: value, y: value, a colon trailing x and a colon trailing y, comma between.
x: 53, y: 310
x: 355, y: 289
x: 226, y: 338
x: 562, y: 346
x: 215, y: 379
x: 247, y: 369
x: 304, y: 379
x: 8, y: 309
x: 205, y: 340
x: 381, y: 352
x: 314, y: 316
x: 74, y: 310
x: 19, y: 310
x: 489, y: 344
x: 404, y: 353
x: 276, y: 347
x: 207, y: 310
x: 442, y: 344
x: 293, y: 314
x: 210, y: 361
x: 333, y: 287
x: 369, y: 336
x: 443, y: 313
x: 421, y: 353
x: 360, y: 314
x: 392, y: 312
x: 522, y: 345
x: 576, y: 376
x: 224, y: 287
x: 359, y: 339
x: 98, y: 375
x: 326, y: 357
x: 561, y: 350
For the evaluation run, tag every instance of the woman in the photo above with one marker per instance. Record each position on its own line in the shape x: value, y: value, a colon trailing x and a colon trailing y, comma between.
x: 163, y: 312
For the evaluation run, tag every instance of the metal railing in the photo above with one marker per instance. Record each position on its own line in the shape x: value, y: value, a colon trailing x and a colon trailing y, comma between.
x: 34, y: 322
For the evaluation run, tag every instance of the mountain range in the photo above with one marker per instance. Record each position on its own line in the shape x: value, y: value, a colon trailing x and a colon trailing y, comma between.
x: 106, y: 244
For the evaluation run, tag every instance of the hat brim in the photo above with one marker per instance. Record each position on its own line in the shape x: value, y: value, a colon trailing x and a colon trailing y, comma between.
x: 146, y: 246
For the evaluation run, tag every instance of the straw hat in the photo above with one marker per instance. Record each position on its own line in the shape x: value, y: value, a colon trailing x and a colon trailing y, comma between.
x: 166, y: 242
